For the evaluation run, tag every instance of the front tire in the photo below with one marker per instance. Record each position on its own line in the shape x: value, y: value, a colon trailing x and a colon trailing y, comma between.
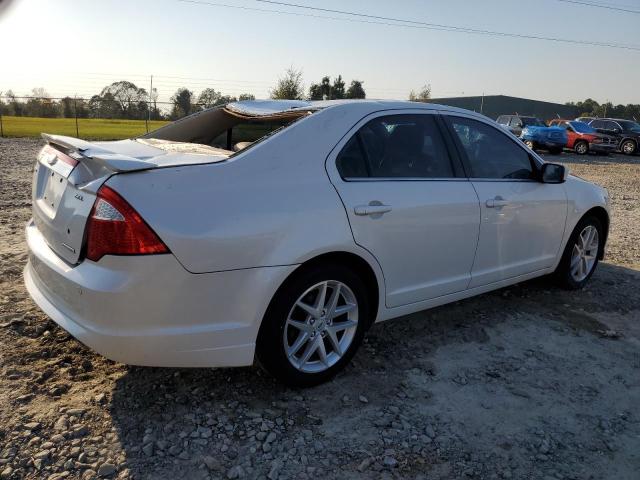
x: 580, y: 257
x: 314, y: 325
x: 581, y: 148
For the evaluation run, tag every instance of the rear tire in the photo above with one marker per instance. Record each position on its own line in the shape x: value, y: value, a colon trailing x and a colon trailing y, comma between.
x: 575, y: 268
x: 581, y: 147
x: 628, y: 147
x: 289, y: 331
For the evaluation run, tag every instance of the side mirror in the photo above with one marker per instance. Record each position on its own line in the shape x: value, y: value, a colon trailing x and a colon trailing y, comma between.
x: 554, y: 173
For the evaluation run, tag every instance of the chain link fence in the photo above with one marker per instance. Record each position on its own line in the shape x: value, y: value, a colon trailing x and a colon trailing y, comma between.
x: 90, y: 118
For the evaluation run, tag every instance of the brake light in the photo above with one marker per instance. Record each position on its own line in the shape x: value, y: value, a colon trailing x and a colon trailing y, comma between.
x: 115, y: 228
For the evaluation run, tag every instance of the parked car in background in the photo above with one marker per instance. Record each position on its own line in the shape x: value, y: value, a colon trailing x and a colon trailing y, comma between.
x: 585, y: 119
x: 535, y: 133
x: 626, y: 132
x: 582, y: 138
x: 181, y: 248
x: 516, y: 123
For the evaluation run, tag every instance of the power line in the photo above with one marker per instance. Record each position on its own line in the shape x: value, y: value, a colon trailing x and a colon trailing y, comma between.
x: 428, y: 25
x: 599, y: 5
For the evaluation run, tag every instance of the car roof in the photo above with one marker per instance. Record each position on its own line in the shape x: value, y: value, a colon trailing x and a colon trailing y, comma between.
x: 268, y: 108
x: 614, y: 119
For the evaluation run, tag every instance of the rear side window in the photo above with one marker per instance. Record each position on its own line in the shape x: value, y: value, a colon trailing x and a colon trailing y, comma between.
x: 503, y: 120
x: 396, y: 146
x: 490, y: 153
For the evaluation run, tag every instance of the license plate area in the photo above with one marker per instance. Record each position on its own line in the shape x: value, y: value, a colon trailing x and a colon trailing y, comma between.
x: 51, y: 190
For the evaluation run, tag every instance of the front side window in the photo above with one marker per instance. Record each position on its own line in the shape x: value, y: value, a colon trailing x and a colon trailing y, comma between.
x: 396, y: 146
x: 630, y: 126
x: 490, y: 153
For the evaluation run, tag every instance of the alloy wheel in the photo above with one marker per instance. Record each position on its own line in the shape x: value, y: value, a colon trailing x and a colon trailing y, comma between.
x: 628, y: 147
x: 320, y: 326
x: 581, y: 148
x: 585, y: 253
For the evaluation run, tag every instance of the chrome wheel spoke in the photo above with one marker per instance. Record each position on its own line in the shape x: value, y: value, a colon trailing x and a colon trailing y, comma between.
x: 575, y: 259
x: 307, y: 308
x: 322, y: 352
x: 312, y: 346
x: 338, y: 327
x: 322, y: 295
x: 333, y: 301
x: 342, y: 309
x: 301, y: 340
x: 333, y: 339
x: 304, y: 327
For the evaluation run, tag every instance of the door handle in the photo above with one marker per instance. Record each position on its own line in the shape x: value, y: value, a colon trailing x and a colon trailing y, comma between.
x: 496, y: 202
x: 371, y: 209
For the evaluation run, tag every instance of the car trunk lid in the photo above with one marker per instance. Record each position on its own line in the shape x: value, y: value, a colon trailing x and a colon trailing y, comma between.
x: 69, y: 172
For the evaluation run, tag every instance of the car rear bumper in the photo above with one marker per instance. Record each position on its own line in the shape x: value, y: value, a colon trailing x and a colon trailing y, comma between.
x: 148, y: 310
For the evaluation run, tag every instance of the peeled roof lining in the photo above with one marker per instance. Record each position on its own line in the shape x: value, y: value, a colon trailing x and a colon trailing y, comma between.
x: 271, y: 109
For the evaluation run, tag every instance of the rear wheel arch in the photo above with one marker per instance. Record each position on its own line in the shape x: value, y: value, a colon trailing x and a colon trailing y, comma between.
x: 354, y: 262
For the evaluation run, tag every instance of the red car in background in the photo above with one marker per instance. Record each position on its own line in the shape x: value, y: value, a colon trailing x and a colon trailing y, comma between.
x: 582, y: 138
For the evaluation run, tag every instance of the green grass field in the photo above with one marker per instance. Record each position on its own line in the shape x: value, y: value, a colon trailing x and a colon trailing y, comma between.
x: 88, y: 128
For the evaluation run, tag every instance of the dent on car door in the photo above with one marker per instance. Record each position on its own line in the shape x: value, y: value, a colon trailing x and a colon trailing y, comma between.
x: 408, y: 204
x: 522, y: 219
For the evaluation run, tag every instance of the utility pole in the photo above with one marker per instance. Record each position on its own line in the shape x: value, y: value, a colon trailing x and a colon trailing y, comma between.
x: 1, y: 108
x: 149, y: 109
x: 482, y: 103
x: 75, y: 111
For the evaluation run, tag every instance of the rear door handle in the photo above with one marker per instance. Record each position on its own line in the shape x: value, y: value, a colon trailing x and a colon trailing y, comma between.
x: 497, y: 202
x: 371, y: 209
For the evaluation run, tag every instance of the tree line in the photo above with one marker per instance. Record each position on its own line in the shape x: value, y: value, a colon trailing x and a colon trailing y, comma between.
x: 591, y: 108
x: 125, y: 100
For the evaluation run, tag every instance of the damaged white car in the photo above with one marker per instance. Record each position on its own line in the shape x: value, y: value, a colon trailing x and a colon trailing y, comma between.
x: 283, y: 229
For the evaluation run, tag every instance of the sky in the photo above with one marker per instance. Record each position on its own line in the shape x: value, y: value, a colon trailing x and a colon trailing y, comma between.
x: 77, y: 47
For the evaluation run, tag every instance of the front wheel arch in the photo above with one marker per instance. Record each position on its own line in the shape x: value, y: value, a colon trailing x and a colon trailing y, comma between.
x: 602, y: 215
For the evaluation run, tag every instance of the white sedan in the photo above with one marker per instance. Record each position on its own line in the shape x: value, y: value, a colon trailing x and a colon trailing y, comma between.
x: 283, y: 229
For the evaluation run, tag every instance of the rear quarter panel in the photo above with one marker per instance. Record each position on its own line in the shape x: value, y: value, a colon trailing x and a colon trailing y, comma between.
x: 270, y: 205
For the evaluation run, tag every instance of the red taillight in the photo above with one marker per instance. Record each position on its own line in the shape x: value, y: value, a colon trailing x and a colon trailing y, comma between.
x: 115, y: 228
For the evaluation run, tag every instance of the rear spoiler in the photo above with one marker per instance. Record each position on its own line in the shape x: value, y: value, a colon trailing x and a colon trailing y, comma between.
x: 96, y: 158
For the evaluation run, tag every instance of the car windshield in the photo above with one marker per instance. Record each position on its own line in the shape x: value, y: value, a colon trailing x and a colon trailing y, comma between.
x: 628, y: 125
x: 581, y: 127
x: 532, y: 122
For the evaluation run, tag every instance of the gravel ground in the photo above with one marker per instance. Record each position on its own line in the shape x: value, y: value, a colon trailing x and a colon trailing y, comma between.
x: 525, y: 382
